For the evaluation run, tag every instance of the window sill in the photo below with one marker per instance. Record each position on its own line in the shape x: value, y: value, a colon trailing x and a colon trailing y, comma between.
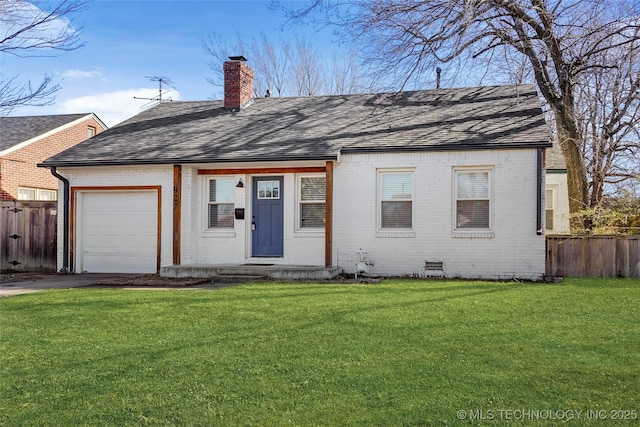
x: 221, y: 233
x: 395, y: 234
x: 473, y: 234
x: 310, y: 233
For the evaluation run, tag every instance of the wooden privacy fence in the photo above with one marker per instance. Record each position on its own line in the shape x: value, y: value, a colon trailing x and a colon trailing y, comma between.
x: 593, y: 256
x: 28, y: 236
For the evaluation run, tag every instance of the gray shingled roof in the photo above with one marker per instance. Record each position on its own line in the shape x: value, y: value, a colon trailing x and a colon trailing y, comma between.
x: 14, y: 130
x: 555, y: 158
x: 319, y: 127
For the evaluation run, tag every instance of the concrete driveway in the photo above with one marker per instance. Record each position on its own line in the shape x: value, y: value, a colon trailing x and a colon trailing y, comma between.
x: 32, y: 282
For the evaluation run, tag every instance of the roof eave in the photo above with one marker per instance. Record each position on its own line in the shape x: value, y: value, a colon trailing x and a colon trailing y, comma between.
x: 448, y: 147
x: 100, y: 122
x: 144, y: 162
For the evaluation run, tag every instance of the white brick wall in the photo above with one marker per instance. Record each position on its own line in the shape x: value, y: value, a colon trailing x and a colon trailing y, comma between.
x: 117, y: 176
x: 514, y: 251
x: 199, y: 246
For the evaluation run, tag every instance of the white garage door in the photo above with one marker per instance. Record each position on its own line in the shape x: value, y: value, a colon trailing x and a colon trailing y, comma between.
x: 119, y: 232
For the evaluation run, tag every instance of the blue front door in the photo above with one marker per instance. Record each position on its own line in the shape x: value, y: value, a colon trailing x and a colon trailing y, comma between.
x: 267, y: 221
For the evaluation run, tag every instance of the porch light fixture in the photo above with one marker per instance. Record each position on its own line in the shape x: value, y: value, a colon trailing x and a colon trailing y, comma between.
x: 240, y: 184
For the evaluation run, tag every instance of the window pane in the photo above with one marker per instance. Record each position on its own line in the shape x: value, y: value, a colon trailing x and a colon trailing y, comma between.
x: 473, y: 185
x: 221, y: 190
x: 221, y: 216
x: 548, y: 199
x: 47, y: 195
x: 549, y: 219
x: 312, y: 215
x: 396, y: 186
x: 268, y: 189
x: 312, y: 188
x: 26, y: 194
x: 396, y: 214
x: 472, y: 214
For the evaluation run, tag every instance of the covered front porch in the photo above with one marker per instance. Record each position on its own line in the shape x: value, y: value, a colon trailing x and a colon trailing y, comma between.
x: 271, y: 271
x: 269, y: 220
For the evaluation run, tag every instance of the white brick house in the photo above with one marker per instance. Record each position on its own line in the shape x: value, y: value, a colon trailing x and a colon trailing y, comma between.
x: 443, y: 182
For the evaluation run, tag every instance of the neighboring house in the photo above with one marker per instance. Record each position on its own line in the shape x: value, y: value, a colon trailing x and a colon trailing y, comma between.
x: 556, y: 193
x: 437, y: 182
x: 28, y: 140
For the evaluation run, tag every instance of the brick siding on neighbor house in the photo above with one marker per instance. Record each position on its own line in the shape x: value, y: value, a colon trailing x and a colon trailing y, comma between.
x: 19, y: 168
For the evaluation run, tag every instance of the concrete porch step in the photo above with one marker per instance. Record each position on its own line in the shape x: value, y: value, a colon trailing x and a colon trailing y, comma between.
x: 273, y: 271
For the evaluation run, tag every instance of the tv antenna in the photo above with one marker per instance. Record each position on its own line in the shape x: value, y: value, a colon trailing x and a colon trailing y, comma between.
x: 162, y: 80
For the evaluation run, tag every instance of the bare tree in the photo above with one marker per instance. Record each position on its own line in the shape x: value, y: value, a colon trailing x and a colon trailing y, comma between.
x: 307, y: 72
x: 608, y: 116
x: 608, y: 111
x: 272, y: 63
x: 344, y: 76
x: 30, y: 29
x: 560, y: 40
x: 219, y: 51
x: 285, y: 69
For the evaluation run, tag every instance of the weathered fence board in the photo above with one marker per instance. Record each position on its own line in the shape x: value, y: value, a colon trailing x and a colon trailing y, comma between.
x: 28, y: 236
x: 593, y: 256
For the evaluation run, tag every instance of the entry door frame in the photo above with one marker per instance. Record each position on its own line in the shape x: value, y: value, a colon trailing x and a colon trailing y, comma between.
x: 267, y: 218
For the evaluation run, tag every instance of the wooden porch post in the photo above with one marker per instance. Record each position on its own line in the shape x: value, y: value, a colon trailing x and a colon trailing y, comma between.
x: 177, y: 213
x: 328, y: 216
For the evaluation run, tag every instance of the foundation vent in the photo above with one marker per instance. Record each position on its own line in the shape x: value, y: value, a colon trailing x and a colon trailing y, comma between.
x: 434, y: 265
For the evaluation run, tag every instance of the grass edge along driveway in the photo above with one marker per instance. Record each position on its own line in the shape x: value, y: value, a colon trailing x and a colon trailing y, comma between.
x: 403, y: 352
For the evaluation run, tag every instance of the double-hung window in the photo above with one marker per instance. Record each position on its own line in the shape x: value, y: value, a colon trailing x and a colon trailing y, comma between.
x: 312, y: 199
x: 472, y: 199
x: 396, y: 199
x: 220, y: 204
x: 549, y: 201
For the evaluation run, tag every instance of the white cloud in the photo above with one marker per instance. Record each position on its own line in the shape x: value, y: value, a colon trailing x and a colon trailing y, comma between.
x: 112, y: 107
x: 81, y: 74
x: 17, y: 22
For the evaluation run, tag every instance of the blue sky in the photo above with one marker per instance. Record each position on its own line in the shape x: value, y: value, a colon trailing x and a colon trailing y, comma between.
x: 128, y: 40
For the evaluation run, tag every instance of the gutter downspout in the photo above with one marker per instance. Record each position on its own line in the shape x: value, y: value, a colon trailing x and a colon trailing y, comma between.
x: 65, y: 243
x: 539, y: 177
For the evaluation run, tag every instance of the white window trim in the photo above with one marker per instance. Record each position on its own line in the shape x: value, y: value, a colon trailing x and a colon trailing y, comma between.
x: 553, y: 208
x: 398, y: 232
x: 306, y: 231
x: 471, y: 233
x: 213, y: 232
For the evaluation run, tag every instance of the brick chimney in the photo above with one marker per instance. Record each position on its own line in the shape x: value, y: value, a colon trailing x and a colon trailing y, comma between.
x: 238, y: 83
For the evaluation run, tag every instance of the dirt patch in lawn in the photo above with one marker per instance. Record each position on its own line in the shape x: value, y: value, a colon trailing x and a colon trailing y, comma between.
x: 151, y: 280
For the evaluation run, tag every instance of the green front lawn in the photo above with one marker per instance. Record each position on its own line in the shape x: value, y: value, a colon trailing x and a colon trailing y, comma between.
x: 403, y: 352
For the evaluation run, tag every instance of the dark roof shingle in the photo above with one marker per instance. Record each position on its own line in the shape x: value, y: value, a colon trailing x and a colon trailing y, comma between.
x: 319, y: 127
x: 15, y: 130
